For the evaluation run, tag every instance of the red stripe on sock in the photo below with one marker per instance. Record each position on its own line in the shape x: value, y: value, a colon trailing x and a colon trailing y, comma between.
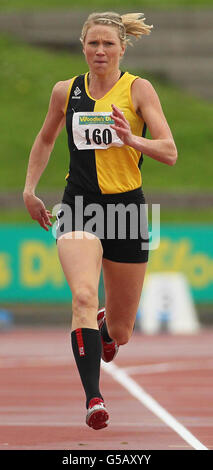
x: 80, y: 342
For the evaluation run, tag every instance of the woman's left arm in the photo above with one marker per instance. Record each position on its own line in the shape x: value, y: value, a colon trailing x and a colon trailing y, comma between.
x: 146, y: 102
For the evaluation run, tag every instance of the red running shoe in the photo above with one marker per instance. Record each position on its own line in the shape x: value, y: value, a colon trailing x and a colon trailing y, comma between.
x: 109, y: 350
x: 97, y: 416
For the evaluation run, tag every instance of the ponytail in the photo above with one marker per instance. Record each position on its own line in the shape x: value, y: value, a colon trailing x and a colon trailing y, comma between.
x: 134, y: 24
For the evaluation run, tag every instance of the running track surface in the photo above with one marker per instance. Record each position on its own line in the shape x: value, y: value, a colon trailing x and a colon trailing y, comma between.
x: 158, y: 392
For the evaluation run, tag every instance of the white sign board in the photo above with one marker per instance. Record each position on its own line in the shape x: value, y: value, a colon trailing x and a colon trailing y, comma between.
x: 166, y: 304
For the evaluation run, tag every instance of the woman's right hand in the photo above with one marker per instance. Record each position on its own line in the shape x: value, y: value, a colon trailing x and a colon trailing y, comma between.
x: 37, y: 210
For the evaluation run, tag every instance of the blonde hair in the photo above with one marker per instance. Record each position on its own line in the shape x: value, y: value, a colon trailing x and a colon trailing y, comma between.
x: 130, y: 24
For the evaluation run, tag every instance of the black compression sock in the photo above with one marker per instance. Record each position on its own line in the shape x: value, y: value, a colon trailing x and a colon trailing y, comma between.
x: 86, y: 345
x: 104, y: 333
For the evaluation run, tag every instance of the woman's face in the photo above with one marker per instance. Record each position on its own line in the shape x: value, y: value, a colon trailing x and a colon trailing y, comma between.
x: 103, y: 49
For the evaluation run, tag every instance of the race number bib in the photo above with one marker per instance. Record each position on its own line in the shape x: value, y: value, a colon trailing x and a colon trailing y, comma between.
x: 92, y: 130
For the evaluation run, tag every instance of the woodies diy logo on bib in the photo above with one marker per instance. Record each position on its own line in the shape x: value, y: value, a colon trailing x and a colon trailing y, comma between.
x: 95, y: 120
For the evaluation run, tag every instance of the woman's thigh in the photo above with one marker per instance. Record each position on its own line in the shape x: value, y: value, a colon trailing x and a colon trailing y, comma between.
x: 80, y: 257
x: 123, y: 284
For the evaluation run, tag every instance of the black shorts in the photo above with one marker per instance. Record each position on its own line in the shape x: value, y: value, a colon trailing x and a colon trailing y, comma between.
x: 118, y: 220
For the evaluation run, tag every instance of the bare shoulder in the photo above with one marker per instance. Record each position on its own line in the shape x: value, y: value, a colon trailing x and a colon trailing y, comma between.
x: 143, y: 91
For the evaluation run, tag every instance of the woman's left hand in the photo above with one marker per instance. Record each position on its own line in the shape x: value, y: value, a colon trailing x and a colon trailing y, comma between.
x: 121, y: 126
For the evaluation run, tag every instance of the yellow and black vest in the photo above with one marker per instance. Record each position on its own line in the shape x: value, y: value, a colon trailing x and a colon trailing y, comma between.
x: 99, y: 161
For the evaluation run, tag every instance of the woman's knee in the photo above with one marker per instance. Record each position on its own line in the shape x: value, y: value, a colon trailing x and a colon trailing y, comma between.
x: 120, y: 334
x: 84, y: 298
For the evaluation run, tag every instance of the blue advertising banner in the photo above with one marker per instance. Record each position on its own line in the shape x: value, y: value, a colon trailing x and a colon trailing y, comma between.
x: 30, y: 270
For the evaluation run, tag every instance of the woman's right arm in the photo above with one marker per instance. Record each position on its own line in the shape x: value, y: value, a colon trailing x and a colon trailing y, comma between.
x: 41, y: 151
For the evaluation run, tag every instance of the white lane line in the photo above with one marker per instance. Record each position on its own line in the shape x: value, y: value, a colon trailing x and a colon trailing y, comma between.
x: 169, y: 367
x: 138, y: 392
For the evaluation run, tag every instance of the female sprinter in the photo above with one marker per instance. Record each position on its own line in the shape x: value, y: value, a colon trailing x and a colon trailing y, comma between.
x: 106, y: 112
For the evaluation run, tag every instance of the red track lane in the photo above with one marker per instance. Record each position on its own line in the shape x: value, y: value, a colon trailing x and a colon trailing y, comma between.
x: 42, y: 403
